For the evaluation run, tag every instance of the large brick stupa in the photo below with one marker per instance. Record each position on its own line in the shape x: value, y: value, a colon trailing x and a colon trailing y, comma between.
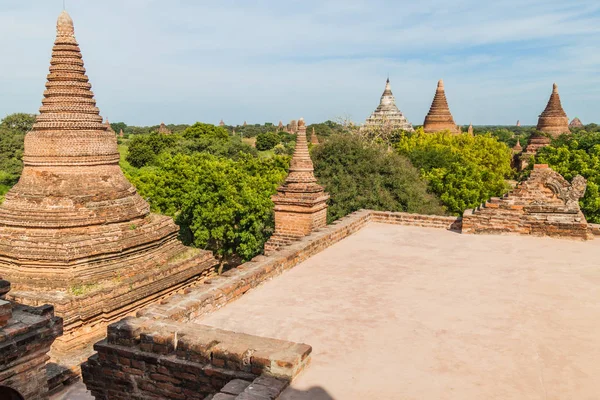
x: 387, y: 113
x: 73, y: 231
x: 553, y: 119
x: 439, y: 117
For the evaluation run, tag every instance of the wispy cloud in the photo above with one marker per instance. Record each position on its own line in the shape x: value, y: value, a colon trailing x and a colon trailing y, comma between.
x: 184, y: 60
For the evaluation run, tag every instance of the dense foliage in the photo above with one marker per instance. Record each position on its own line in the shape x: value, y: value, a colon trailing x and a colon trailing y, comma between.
x: 359, y: 174
x: 574, y: 155
x: 12, y: 133
x: 462, y: 170
x: 220, y: 204
x: 266, y: 141
x: 143, y: 149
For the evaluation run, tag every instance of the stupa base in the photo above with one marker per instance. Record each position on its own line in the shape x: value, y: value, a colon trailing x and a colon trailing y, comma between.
x: 88, y: 310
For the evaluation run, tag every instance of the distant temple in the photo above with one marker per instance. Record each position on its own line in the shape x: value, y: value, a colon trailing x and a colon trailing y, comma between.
x: 109, y: 128
x: 387, y: 113
x: 470, y: 131
x: 553, y: 119
x: 222, y: 123
x: 163, y: 129
x: 518, y: 123
x: 576, y: 123
x: 439, y: 117
x: 280, y: 126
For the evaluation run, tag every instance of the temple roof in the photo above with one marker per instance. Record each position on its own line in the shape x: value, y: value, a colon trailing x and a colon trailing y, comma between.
x: 387, y: 112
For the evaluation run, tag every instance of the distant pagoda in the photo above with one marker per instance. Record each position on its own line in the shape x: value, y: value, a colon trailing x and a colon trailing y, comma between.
x: 222, y: 123
x: 74, y: 232
x: 576, y: 123
x: 387, y: 113
x: 162, y: 129
x: 439, y: 117
x: 109, y: 128
x: 470, y: 130
x: 314, y: 139
x: 553, y: 119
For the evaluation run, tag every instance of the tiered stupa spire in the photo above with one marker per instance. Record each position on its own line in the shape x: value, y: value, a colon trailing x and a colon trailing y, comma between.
x: 314, y: 139
x: 439, y: 117
x: 162, y: 129
x: 387, y: 113
x: 553, y: 119
x: 576, y: 123
x: 73, y: 219
x: 300, y: 203
x: 221, y: 123
x: 470, y: 130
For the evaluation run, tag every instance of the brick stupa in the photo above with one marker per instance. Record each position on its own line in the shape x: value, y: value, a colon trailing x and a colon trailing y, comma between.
x: 162, y: 129
x: 576, y: 123
x: 553, y: 119
x: 74, y: 233
x: 221, y: 123
x: 439, y: 117
x: 387, y: 113
x: 470, y: 130
x: 314, y: 139
x: 300, y: 203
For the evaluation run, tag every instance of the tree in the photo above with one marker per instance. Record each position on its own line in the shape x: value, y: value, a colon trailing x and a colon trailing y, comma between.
x: 361, y: 174
x: 19, y: 122
x: 118, y: 126
x: 220, y: 204
x: 463, y: 170
x: 11, y: 155
x: 266, y: 141
x: 574, y: 155
x: 202, y: 130
x: 143, y: 149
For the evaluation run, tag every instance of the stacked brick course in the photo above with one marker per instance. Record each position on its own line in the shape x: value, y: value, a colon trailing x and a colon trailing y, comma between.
x: 300, y: 203
x: 26, y: 334
x: 73, y: 231
x: 439, y: 117
x: 544, y: 205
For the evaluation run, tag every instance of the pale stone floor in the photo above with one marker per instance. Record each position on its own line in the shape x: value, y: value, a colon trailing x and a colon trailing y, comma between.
x: 397, y: 312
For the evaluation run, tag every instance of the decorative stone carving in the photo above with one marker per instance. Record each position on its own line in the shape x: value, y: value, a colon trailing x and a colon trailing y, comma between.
x: 546, y: 204
x: 74, y: 232
x: 439, y: 117
x: 387, y: 114
x: 300, y: 203
x: 553, y: 119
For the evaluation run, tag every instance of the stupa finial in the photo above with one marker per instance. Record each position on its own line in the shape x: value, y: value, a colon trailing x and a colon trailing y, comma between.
x: 64, y: 25
x: 554, y: 88
x: 440, y: 85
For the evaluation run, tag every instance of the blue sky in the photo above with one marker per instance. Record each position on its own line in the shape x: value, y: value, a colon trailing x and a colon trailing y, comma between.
x: 181, y: 61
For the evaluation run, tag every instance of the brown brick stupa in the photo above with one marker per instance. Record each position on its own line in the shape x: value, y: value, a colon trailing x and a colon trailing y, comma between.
x: 314, y: 139
x: 576, y: 123
x: 553, y: 119
x: 162, y: 129
x: 439, y: 117
x: 74, y: 233
x: 300, y: 203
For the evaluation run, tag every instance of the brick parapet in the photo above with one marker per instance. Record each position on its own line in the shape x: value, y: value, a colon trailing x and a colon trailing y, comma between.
x: 143, y: 357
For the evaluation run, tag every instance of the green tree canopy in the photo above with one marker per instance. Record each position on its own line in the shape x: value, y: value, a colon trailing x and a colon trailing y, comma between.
x: 143, y: 149
x: 462, y: 170
x: 266, y: 141
x: 19, y: 122
x: 220, y: 204
x: 359, y: 174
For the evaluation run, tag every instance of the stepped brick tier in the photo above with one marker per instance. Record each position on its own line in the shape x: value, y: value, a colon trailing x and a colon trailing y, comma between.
x: 576, y: 123
x: 162, y: 129
x: 553, y: 119
x: 26, y: 334
x: 543, y: 205
x: 535, y: 143
x: 314, y: 139
x: 222, y: 123
x: 300, y: 203
x: 143, y: 358
x: 73, y: 231
x: 439, y: 117
x: 470, y: 130
x: 387, y: 114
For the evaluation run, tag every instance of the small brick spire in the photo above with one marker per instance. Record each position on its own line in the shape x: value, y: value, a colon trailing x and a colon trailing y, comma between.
x: 300, y: 203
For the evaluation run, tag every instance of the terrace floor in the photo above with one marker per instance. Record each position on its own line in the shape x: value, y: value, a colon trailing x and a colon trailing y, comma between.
x: 397, y: 312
